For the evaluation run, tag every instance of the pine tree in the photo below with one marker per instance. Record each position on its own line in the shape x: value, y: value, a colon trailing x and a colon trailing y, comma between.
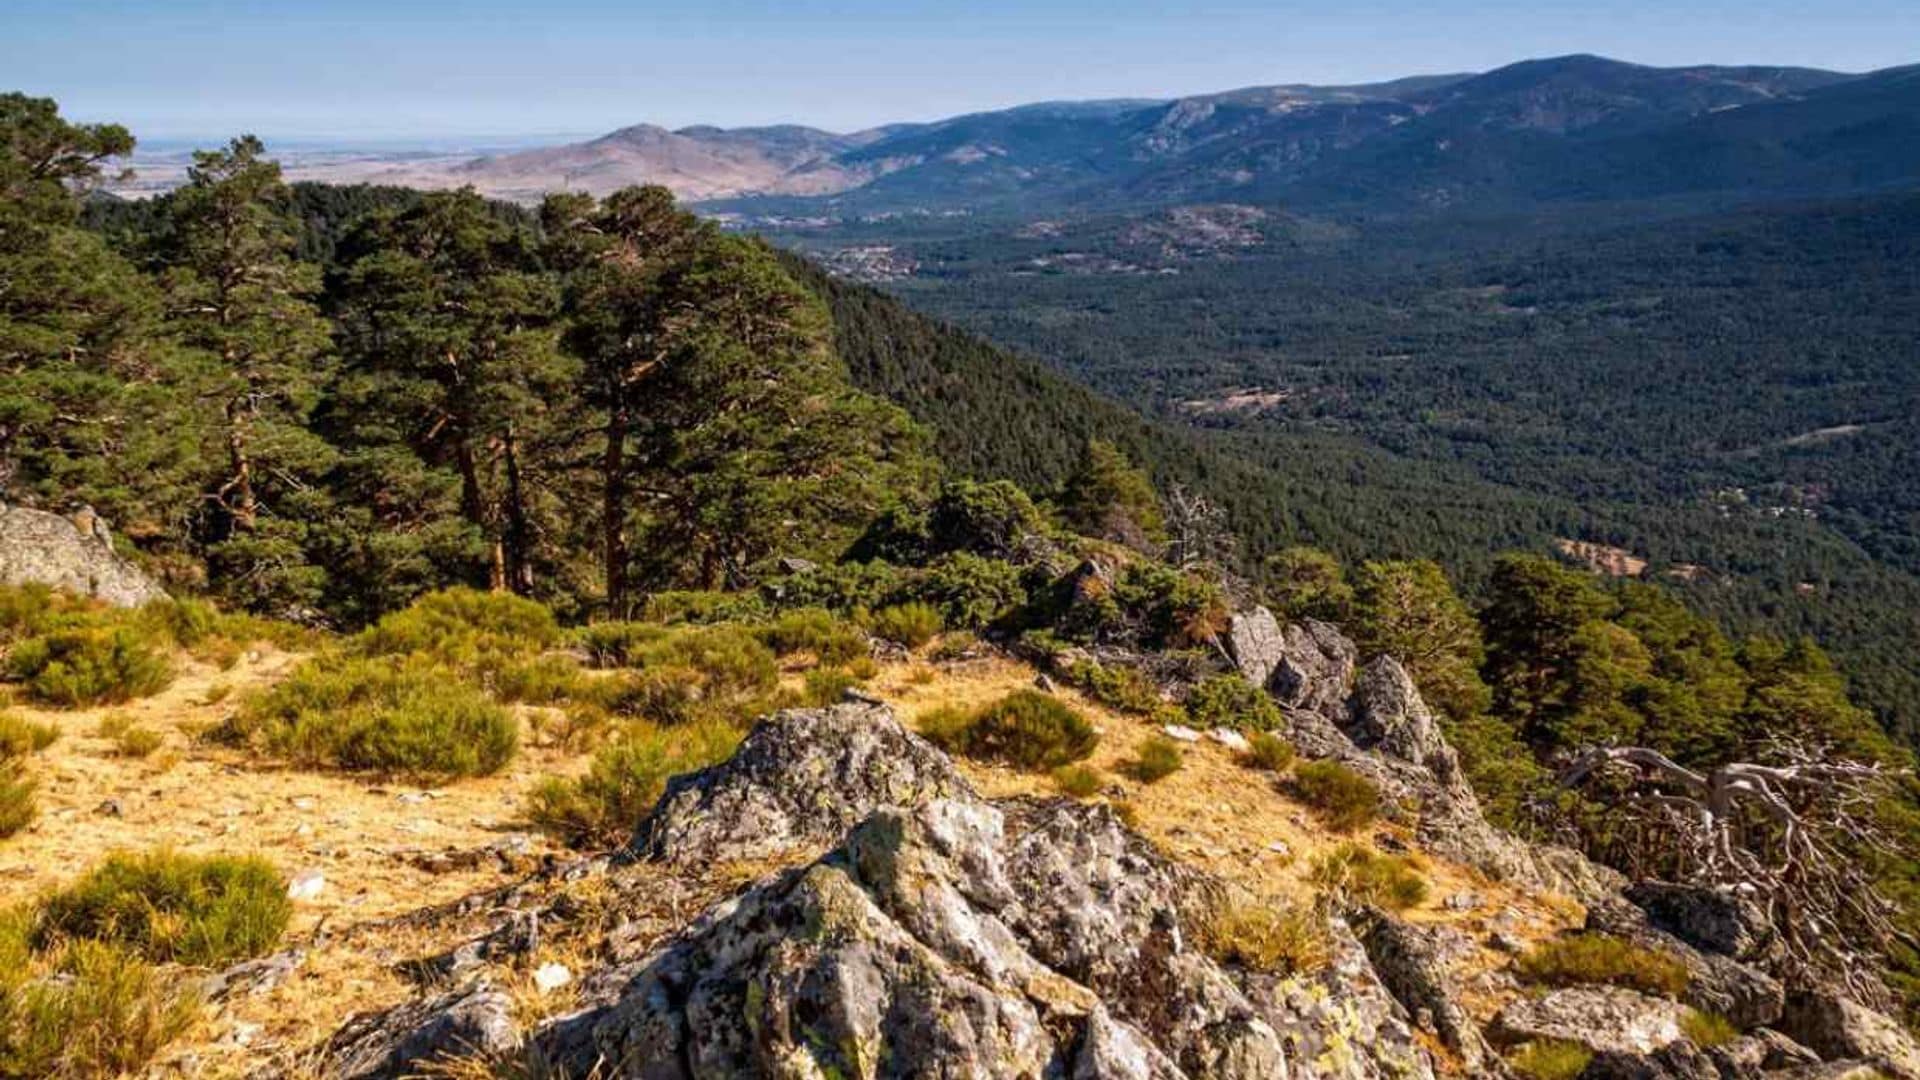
x: 235, y: 292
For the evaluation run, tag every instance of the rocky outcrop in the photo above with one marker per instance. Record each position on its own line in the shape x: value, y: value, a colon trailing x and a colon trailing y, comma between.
x: 476, y: 1020
x: 73, y: 553
x: 1313, y: 669
x: 1675, y: 1061
x: 1742, y: 993
x: 1388, y: 714
x: 1715, y: 920
x: 1605, y: 1019
x: 946, y: 935
x: 1836, y: 1028
x: 1254, y: 643
x: 798, y: 782
x: 976, y: 942
x: 1417, y: 964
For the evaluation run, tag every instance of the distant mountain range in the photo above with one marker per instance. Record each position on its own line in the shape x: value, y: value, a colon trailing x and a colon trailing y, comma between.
x: 1575, y: 127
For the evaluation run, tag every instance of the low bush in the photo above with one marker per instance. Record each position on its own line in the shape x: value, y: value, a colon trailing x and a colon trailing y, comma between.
x: 1362, y: 875
x: 1230, y: 701
x: 1603, y: 958
x: 136, y: 742
x: 1550, y: 1059
x: 625, y: 780
x: 1708, y: 1029
x: 1079, y: 781
x: 1026, y: 729
x: 971, y: 591
x: 1170, y: 608
x: 912, y: 624
x: 406, y: 717
x: 465, y: 629
x: 1267, y: 939
x: 614, y: 644
x: 660, y: 694
x: 1268, y: 751
x: 847, y: 587
x: 1123, y: 688
x: 729, y: 662
x: 19, y: 801
x: 1342, y: 798
x: 543, y: 680
x: 31, y: 610
x: 1157, y: 758
x: 702, y: 606
x: 169, y: 907
x: 816, y: 631
x: 87, y: 1009
x: 18, y: 737
x: 955, y: 646
x: 90, y: 666
x: 827, y: 685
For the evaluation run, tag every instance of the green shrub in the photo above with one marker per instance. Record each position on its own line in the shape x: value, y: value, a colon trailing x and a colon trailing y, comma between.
x: 847, y: 587
x: 170, y: 907
x: 912, y: 624
x: 729, y: 662
x: 625, y: 780
x: 1157, y: 758
x: 1123, y: 688
x: 385, y: 715
x: 614, y: 644
x: 825, y: 686
x: 1269, y: 751
x: 94, y: 666
x: 991, y: 519
x: 1230, y: 701
x: 19, y: 803
x: 1602, y: 958
x: 954, y: 646
x: 1362, y: 875
x: 543, y: 680
x: 1079, y: 781
x: 1266, y: 938
x: 1550, y: 1059
x: 31, y: 610
x: 1708, y: 1029
x: 971, y: 591
x: 87, y: 1009
x: 816, y: 631
x: 18, y: 737
x: 1342, y: 798
x: 702, y: 606
x: 136, y: 742
x: 660, y: 694
x: 1170, y: 608
x: 1026, y: 729
x: 465, y: 629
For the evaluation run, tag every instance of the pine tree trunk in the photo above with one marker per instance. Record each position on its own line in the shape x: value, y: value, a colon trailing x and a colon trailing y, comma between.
x: 613, y: 510
x: 241, y: 502
x: 519, y: 540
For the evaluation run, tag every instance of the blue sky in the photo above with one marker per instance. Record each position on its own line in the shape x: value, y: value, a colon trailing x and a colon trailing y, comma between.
x: 387, y: 68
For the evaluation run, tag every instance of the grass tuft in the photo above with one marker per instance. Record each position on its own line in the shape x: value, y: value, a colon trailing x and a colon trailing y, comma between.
x: 1343, y: 799
x: 170, y: 907
x: 1157, y: 758
x: 1361, y: 875
x: 1550, y: 1059
x: 1605, y: 959
x: 1267, y: 939
x: 626, y: 779
x: 1078, y: 781
x: 1026, y: 729
x: 1270, y: 752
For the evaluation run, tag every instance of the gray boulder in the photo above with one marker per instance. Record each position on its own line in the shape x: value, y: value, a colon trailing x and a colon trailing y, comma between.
x: 1388, y: 714
x: 1313, y: 670
x: 1839, y: 1029
x: 1676, y: 1061
x: 471, y: 1021
x: 925, y: 939
x: 1416, y: 964
x: 1716, y: 920
x: 1255, y: 644
x: 72, y: 553
x: 1605, y: 1019
x: 799, y: 781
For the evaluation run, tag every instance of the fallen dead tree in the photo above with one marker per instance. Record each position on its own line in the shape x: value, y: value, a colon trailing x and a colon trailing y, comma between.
x: 1797, y: 836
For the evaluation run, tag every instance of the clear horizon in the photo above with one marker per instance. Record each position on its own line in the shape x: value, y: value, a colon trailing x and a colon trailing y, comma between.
x: 193, y: 70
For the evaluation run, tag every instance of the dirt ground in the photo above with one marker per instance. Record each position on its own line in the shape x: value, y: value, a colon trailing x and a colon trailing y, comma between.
x: 384, y: 849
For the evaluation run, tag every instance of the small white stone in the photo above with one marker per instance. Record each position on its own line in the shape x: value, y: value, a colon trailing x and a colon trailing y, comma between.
x: 550, y: 977
x: 1279, y: 847
x: 1230, y: 739
x: 305, y: 803
x: 307, y: 885
x: 1181, y: 732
